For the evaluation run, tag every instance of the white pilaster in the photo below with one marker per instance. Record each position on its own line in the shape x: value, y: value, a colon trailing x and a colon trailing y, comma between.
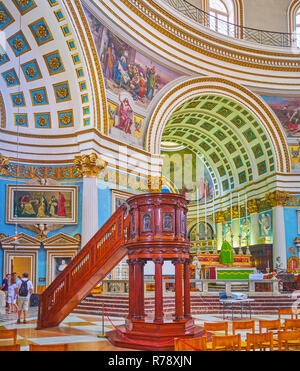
x: 89, y: 209
x: 279, y: 241
x: 254, y: 229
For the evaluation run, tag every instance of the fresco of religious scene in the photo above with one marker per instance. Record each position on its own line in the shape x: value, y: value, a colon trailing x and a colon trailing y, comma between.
x: 288, y: 112
x: 295, y: 155
x: 125, y: 69
x: 122, y: 116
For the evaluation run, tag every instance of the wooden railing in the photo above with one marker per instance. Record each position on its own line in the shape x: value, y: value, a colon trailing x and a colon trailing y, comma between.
x: 90, y: 266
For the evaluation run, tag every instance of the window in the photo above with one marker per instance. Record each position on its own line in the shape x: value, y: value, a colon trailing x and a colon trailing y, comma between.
x: 294, y: 22
x: 298, y: 28
x: 224, y: 15
x: 219, y: 16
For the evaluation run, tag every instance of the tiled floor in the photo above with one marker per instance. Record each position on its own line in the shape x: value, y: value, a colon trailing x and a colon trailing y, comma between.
x: 79, y: 331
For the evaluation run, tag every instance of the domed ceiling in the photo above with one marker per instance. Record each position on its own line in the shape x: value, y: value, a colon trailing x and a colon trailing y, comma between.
x: 233, y: 143
x: 43, y: 78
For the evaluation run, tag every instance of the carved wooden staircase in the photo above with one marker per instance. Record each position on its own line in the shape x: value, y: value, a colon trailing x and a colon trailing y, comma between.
x: 90, y: 266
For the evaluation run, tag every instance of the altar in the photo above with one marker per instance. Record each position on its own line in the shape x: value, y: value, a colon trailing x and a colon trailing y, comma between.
x: 211, y: 267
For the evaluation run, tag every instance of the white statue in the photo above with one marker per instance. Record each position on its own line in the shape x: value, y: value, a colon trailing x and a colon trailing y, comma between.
x: 245, y: 229
x: 197, y: 266
x: 228, y: 233
x: 265, y: 222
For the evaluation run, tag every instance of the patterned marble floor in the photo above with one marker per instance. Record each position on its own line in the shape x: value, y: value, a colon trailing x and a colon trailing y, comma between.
x: 80, y: 332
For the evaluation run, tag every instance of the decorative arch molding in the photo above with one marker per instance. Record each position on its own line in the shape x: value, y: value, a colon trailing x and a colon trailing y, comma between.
x: 96, y: 75
x: 193, y: 87
x: 2, y: 112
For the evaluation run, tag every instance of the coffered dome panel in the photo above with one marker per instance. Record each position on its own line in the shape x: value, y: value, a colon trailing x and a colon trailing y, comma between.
x: 44, y: 78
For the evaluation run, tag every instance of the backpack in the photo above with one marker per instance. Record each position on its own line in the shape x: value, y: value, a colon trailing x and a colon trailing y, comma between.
x: 23, y: 291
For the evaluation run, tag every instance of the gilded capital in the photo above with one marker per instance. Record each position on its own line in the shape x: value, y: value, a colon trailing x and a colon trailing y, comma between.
x: 89, y: 166
x: 220, y: 216
x: 277, y: 198
x: 155, y: 184
x: 253, y: 206
x: 235, y: 211
x: 4, y: 165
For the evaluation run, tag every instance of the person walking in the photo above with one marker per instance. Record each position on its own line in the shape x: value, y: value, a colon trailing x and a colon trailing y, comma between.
x: 24, y: 290
x: 11, y: 296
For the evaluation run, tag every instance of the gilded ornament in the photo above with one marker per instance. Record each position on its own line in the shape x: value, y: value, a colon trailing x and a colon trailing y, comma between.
x: 66, y: 119
x: 18, y: 100
x: 21, y: 120
x: 220, y: 216
x: 23, y: 3
x: 19, y: 44
x: 154, y: 184
x: 89, y: 165
x: 54, y: 63
x: 10, y: 78
x: 39, y: 97
x: 277, y: 198
x: 42, y: 121
x: 3, y: 16
x: 62, y: 92
x: 4, y: 165
x: 31, y: 71
x: 253, y: 206
x: 41, y: 31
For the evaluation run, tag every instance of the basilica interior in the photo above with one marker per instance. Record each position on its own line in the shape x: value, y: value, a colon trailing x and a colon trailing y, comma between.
x: 150, y: 173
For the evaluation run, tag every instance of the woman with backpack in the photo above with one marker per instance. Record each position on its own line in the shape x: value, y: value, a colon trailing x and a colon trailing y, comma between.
x: 24, y: 290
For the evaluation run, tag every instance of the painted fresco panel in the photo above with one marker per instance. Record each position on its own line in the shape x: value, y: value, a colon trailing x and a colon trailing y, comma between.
x: 288, y: 112
x: 125, y: 69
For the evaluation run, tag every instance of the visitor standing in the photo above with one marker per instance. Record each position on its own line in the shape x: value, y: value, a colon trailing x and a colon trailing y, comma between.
x: 24, y: 290
x: 5, y: 284
x: 11, y: 296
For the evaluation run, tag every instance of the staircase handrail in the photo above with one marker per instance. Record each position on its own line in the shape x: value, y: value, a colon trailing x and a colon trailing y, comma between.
x: 102, y: 245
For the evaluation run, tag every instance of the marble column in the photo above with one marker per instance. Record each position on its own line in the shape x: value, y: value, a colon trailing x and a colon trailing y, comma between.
x: 277, y: 201
x: 220, y: 219
x: 89, y: 167
x: 253, y: 209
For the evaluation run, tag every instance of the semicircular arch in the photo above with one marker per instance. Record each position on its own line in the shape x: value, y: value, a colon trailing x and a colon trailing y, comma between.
x: 258, y: 114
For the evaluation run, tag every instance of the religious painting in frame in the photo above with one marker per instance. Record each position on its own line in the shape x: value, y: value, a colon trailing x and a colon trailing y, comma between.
x: 118, y: 198
x: 41, y: 204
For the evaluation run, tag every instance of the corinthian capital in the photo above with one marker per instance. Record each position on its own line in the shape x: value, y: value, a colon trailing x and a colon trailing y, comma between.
x: 154, y: 184
x: 277, y: 198
x: 89, y: 166
x: 254, y: 206
x: 4, y: 165
x: 220, y: 216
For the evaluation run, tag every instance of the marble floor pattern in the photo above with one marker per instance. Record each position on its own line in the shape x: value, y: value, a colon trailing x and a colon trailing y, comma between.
x: 81, y: 332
